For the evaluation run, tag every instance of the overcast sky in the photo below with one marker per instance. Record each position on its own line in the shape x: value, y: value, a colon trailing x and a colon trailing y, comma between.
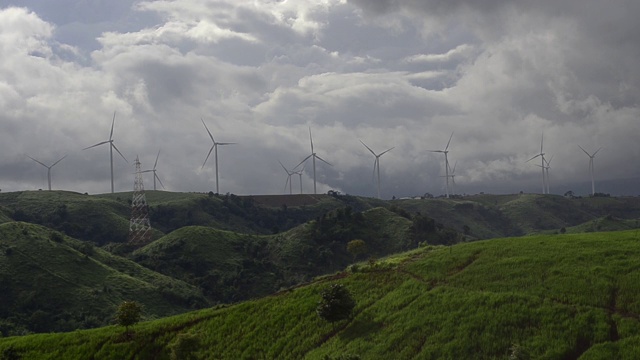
x: 392, y: 73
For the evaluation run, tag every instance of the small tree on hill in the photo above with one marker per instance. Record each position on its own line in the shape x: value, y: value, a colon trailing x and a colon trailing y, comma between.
x: 128, y: 314
x: 356, y: 247
x: 335, y: 304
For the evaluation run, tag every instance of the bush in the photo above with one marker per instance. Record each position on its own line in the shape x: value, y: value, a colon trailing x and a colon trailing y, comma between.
x: 128, y: 314
x: 335, y: 304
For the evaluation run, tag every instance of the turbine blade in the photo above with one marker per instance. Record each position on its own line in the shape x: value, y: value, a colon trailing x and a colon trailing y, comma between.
x: 112, y: 122
x: 226, y: 143
x: 209, y: 132
x: 156, y: 176
x: 156, y: 163
x: 287, y: 183
x: 285, y: 169
x: 541, y: 142
x: 549, y: 162
x: 375, y: 165
x: 321, y: 159
x: 448, y: 142
x: 305, y: 159
x: 585, y: 151
x: 205, y: 160
x: 62, y: 158
x: 454, y: 167
x: 98, y: 144
x: 439, y: 151
x: 534, y: 157
x: 368, y: 148
x: 114, y: 146
x: 38, y: 161
x: 311, y: 139
x: 386, y: 151
x: 594, y: 154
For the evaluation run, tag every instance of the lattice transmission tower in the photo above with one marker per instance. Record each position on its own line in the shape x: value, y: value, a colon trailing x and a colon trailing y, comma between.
x: 139, y: 225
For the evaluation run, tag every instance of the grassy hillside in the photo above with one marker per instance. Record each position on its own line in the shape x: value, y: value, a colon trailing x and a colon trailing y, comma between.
x: 49, y: 282
x: 551, y: 297
x: 229, y: 266
x: 488, y: 216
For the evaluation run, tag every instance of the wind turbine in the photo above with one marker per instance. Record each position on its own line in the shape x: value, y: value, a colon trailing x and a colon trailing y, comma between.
x: 48, y: 168
x: 155, y: 176
x: 214, y: 146
x: 314, y: 156
x: 542, y: 165
x: 446, y: 162
x: 111, y: 147
x: 289, y: 182
x: 299, y: 173
x: 376, y: 163
x: 453, y: 178
x: 546, y: 171
x: 591, y: 156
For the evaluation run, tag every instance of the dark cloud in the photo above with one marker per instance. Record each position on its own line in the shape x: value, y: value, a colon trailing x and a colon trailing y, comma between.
x: 392, y: 73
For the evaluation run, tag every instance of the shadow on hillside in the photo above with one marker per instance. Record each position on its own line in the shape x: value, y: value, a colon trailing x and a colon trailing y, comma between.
x: 361, y: 327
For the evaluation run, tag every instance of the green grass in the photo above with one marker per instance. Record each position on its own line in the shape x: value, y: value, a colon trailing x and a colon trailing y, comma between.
x: 59, y: 283
x: 557, y: 297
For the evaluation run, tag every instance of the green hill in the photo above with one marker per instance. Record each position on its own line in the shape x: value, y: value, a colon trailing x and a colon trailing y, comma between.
x: 551, y: 297
x: 229, y: 266
x: 49, y: 282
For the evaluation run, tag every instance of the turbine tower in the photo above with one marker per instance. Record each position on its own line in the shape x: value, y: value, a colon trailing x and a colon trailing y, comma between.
x: 446, y: 163
x: 289, y: 182
x: 591, y: 157
x: 452, y: 174
x: 214, y: 147
x: 111, y: 147
x: 542, y: 165
x: 376, y: 163
x: 139, y: 225
x: 299, y: 173
x: 48, y: 168
x: 313, y: 156
x: 155, y: 176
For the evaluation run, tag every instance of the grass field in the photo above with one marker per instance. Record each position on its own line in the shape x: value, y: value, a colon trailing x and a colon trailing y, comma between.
x: 572, y: 296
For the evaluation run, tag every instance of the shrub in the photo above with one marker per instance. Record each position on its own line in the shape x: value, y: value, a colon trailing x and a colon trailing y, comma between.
x: 335, y: 304
x: 128, y: 314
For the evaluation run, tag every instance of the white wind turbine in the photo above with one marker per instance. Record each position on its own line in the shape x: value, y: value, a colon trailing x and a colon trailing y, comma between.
x: 591, y: 157
x: 446, y: 162
x: 313, y: 156
x: 48, y: 168
x: 546, y: 171
x: 155, y: 176
x: 214, y: 147
x: 288, y: 182
x: 452, y: 174
x: 111, y: 147
x: 299, y: 173
x: 376, y: 163
x: 542, y: 165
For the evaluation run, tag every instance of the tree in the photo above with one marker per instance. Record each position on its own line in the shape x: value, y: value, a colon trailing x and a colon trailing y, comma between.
x: 356, y: 247
x: 128, y: 314
x: 335, y: 304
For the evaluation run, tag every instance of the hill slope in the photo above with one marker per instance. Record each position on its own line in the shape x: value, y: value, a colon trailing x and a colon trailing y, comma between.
x: 552, y: 297
x: 49, y: 282
x: 230, y: 267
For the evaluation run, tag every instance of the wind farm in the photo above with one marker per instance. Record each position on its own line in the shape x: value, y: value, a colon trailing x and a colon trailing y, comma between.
x: 446, y: 164
x: 112, y: 146
x: 376, y: 164
x: 542, y: 165
x: 299, y: 169
x: 313, y: 156
x: 155, y: 174
x: 48, y: 168
x: 591, y: 168
x: 214, y: 148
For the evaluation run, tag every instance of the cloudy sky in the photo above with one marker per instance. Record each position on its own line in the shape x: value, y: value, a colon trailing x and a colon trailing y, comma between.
x: 392, y: 73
